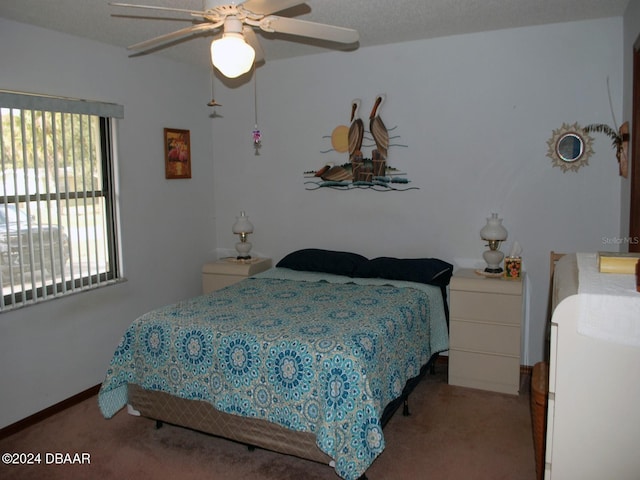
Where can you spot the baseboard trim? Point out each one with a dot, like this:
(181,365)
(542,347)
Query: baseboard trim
(48,412)
(526,369)
(525,378)
(442,360)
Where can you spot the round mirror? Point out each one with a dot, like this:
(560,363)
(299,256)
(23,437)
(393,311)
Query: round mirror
(569,147)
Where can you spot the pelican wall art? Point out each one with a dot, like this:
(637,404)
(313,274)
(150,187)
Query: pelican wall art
(358,171)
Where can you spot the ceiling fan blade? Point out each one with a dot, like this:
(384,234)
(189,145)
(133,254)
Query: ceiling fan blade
(303,28)
(177,35)
(266,7)
(252,39)
(151,7)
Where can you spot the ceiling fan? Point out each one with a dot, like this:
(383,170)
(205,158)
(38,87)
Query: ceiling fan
(237,49)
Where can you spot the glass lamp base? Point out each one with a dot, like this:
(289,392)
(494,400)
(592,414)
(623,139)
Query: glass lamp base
(493,259)
(493,270)
(243,248)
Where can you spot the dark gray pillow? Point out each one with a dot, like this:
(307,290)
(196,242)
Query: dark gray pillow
(326,261)
(431,271)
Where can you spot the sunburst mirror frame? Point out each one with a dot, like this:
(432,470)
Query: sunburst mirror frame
(570,147)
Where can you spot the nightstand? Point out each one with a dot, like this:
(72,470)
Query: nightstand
(226,271)
(485,331)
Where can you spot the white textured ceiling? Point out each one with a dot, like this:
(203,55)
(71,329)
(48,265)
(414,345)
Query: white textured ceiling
(378,21)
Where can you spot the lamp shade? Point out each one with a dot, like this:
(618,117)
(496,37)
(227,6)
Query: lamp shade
(242,225)
(232,55)
(493,230)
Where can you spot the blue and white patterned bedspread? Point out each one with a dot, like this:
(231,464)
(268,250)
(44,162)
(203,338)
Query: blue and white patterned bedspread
(312,355)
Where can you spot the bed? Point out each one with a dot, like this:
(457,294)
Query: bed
(309,358)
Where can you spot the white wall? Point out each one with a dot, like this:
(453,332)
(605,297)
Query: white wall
(475,112)
(54,350)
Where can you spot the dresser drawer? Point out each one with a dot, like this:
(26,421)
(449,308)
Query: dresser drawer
(485,337)
(488,372)
(486,307)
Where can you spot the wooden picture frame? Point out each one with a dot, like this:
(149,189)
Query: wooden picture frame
(177,153)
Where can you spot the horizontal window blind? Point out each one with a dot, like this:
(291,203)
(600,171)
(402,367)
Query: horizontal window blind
(48,103)
(58,224)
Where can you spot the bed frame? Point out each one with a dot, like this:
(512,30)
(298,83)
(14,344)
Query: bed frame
(253,432)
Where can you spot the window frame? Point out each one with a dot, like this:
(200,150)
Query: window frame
(106,115)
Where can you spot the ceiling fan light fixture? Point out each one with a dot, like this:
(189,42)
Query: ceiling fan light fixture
(232,55)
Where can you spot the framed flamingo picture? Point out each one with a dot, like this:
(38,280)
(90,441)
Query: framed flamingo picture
(177,153)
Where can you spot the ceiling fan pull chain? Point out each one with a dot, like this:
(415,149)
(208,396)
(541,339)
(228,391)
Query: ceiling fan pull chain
(213,102)
(257,135)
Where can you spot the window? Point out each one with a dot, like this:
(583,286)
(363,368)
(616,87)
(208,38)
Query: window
(58,224)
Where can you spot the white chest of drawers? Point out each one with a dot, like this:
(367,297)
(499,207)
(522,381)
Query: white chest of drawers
(593,418)
(485,332)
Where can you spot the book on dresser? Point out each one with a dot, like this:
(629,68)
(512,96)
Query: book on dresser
(616,262)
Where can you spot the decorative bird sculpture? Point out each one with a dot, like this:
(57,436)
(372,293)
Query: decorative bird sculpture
(336,173)
(323,170)
(378,128)
(356,130)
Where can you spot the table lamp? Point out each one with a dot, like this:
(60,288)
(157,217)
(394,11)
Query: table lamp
(243,227)
(494,233)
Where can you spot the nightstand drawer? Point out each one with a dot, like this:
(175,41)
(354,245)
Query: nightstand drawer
(486,307)
(485,337)
(225,272)
(488,372)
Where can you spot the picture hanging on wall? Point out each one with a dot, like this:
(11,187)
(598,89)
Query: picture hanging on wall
(177,153)
(360,171)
